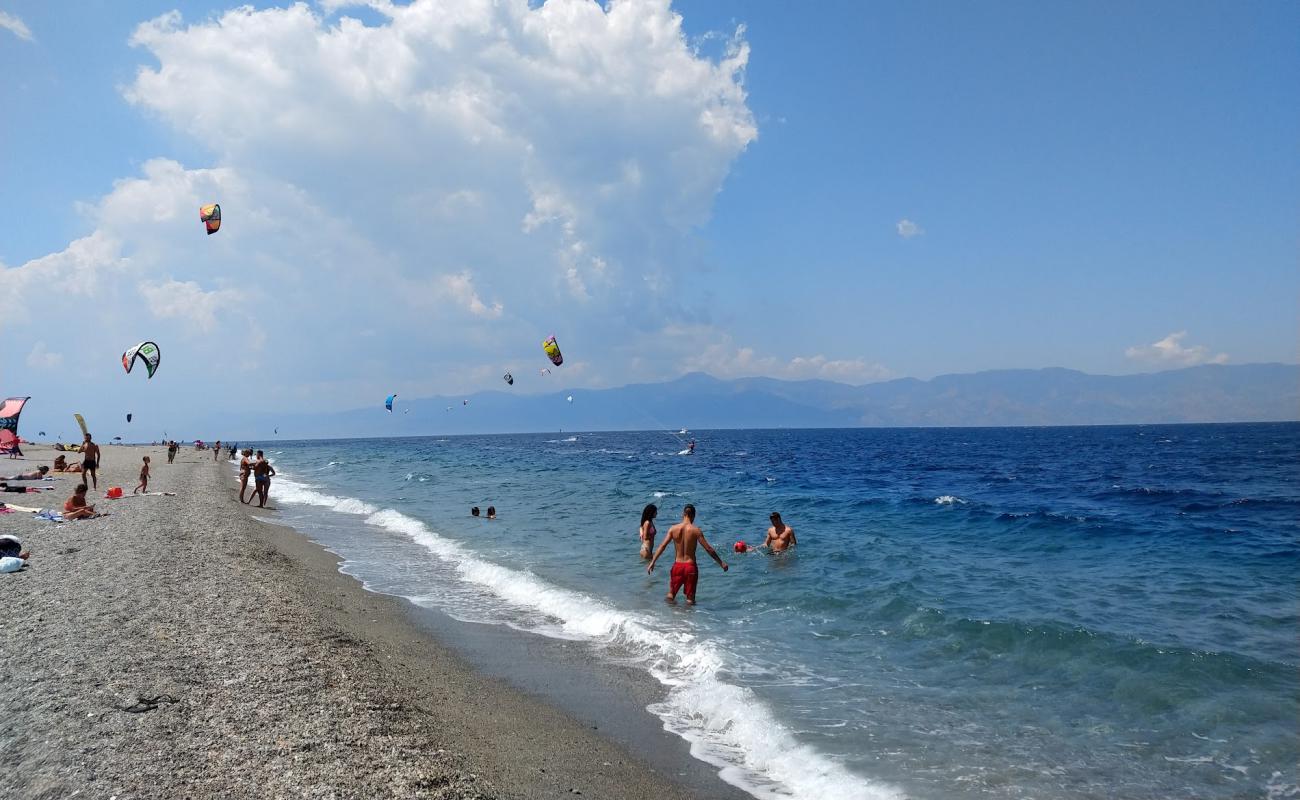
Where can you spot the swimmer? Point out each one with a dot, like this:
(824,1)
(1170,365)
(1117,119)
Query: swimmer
(686,573)
(780,537)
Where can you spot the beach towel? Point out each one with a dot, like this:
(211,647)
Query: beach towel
(49,515)
(11,564)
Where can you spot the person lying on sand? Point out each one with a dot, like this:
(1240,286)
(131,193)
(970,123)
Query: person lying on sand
(61,465)
(76,506)
(4,487)
(10,547)
(34,475)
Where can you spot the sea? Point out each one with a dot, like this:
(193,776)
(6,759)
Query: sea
(1070,612)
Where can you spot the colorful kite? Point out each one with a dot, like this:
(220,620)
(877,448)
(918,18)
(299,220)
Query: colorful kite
(147,352)
(552,349)
(9,411)
(210,216)
(508,378)
(388,403)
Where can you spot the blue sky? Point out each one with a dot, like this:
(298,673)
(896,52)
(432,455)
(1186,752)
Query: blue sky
(1109,187)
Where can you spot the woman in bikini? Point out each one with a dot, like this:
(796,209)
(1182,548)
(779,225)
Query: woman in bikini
(648,531)
(245,469)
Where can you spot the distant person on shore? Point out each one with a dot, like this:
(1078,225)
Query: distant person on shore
(473,512)
(685,573)
(780,536)
(144,478)
(492,512)
(90,458)
(245,469)
(76,507)
(216,451)
(648,531)
(262,472)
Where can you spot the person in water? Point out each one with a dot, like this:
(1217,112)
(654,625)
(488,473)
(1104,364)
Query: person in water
(76,507)
(262,472)
(245,470)
(473,512)
(648,531)
(780,536)
(690,448)
(492,512)
(90,459)
(686,573)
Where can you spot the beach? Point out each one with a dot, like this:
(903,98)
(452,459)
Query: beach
(185,646)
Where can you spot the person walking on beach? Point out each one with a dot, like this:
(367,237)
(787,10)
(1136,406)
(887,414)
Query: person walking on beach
(144,478)
(245,469)
(172,447)
(648,531)
(262,472)
(686,573)
(90,459)
(780,537)
(216,451)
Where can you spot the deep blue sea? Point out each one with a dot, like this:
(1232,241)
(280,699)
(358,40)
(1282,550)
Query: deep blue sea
(970,613)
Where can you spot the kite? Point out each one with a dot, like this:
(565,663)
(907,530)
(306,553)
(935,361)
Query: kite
(552,349)
(147,352)
(544,371)
(210,216)
(81,422)
(464,402)
(128,417)
(42,433)
(388,403)
(569,398)
(508,378)
(10,408)
(117,438)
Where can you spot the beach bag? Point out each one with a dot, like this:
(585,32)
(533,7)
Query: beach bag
(114,493)
(11,564)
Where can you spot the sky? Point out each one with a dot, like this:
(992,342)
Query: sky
(416,194)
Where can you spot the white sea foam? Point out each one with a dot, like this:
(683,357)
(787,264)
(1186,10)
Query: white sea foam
(727,725)
(948,500)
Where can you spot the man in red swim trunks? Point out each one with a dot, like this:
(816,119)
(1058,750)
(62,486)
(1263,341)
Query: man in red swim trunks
(684,536)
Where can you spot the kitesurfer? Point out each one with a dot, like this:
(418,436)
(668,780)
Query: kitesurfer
(685,573)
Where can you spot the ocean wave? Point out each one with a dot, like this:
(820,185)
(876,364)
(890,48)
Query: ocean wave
(948,500)
(725,724)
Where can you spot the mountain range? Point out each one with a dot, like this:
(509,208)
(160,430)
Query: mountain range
(1018,397)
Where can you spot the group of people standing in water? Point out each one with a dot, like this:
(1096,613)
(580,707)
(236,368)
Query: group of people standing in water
(685,536)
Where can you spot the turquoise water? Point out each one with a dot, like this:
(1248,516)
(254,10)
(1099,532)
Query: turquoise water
(1060,612)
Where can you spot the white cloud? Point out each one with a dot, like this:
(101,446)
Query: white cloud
(15,26)
(1170,350)
(460,289)
(189,301)
(908,229)
(41,358)
(706,349)
(462,178)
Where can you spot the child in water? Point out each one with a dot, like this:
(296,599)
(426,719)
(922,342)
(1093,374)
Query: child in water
(144,478)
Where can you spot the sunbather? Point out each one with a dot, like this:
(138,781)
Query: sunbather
(34,475)
(76,506)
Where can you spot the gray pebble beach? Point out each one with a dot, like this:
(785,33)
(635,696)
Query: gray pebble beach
(179,647)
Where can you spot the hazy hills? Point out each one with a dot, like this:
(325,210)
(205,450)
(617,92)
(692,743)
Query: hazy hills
(1211,393)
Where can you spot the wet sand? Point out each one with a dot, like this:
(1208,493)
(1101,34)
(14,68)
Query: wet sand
(180,647)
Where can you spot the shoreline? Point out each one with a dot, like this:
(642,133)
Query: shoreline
(177,648)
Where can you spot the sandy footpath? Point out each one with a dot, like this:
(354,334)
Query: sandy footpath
(180,648)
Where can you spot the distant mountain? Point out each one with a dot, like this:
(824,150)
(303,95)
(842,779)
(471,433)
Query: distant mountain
(1211,393)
